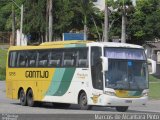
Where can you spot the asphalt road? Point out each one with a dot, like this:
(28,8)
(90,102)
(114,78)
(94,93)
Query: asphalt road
(13,107)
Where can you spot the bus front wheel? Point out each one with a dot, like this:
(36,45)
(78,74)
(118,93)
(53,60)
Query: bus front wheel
(122,108)
(22,98)
(30,98)
(83,102)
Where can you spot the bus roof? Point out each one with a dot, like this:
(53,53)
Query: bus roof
(113,44)
(65,42)
(75,43)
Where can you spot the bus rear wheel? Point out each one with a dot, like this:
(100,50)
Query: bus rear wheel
(30,98)
(83,102)
(22,98)
(122,108)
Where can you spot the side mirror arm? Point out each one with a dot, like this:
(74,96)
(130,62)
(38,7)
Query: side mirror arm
(153,66)
(104,64)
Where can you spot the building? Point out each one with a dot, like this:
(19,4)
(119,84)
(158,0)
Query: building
(152,50)
(99,4)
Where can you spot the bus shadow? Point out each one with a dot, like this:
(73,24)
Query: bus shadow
(94,108)
(72,107)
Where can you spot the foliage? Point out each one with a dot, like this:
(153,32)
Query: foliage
(34,12)
(143,20)
(62,24)
(5,12)
(118,9)
(3,57)
(145,23)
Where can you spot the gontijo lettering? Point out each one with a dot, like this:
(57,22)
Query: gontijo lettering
(36,74)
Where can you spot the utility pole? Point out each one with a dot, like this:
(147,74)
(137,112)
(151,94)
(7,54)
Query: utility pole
(85,27)
(123,34)
(106,22)
(47,19)
(21,26)
(12,42)
(50,20)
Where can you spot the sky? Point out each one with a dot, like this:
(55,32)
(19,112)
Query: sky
(134,2)
(101,4)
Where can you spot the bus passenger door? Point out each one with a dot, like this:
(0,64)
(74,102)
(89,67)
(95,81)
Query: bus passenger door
(96,67)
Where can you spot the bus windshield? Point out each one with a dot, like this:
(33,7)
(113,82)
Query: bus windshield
(127,69)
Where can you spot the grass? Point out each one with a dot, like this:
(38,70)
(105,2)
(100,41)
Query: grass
(153,79)
(3,56)
(154,87)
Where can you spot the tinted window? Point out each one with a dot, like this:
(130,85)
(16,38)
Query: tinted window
(31,58)
(22,59)
(70,58)
(12,59)
(77,57)
(55,58)
(96,67)
(95,55)
(43,58)
(83,57)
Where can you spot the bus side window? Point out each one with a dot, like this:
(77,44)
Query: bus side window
(83,57)
(55,59)
(43,58)
(22,59)
(12,59)
(32,58)
(70,58)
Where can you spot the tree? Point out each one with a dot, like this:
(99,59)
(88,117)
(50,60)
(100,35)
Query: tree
(86,9)
(145,22)
(34,19)
(7,17)
(63,18)
(5,13)
(125,7)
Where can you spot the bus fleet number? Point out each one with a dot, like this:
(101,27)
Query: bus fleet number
(12,73)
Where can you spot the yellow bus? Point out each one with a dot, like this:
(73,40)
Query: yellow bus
(78,72)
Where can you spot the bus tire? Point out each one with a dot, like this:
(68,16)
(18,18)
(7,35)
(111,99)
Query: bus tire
(83,102)
(22,98)
(122,108)
(30,98)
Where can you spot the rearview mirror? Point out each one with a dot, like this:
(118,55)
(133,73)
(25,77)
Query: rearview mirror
(104,64)
(151,66)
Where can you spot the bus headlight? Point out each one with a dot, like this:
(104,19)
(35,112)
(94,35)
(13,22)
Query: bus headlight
(144,94)
(109,93)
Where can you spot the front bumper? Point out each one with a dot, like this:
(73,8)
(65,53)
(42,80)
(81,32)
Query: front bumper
(107,100)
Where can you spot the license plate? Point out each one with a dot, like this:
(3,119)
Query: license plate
(128,101)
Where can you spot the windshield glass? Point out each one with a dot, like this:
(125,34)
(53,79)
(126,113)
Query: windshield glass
(126,74)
